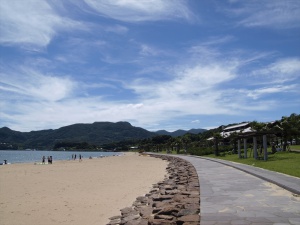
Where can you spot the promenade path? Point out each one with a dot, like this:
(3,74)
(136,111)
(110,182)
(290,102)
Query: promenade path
(230,196)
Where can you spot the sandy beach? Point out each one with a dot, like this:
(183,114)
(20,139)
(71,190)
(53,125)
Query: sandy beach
(73,192)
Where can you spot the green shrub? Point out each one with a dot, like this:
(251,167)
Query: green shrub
(200,151)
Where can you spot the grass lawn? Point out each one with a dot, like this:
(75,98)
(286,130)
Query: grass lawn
(296,147)
(283,162)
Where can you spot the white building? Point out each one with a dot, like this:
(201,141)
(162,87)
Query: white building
(239,128)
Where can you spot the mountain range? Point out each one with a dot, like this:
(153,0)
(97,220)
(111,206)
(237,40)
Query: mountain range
(178,133)
(97,133)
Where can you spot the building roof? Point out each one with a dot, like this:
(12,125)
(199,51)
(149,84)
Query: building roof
(236,126)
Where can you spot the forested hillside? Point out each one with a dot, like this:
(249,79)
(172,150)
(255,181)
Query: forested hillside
(98,133)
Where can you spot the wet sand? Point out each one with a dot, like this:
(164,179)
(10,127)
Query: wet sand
(73,192)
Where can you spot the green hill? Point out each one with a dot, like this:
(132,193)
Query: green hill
(97,133)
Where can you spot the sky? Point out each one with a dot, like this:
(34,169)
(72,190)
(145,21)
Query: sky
(158,64)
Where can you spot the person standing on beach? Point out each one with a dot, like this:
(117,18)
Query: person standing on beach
(49,159)
(75,157)
(80,158)
(43,160)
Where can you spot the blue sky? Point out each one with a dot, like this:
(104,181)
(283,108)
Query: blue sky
(157,64)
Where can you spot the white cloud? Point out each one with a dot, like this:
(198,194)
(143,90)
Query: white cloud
(30,22)
(191,91)
(217,40)
(204,52)
(281,71)
(255,94)
(146,50)
(28,83)
(263,13)
(286,66)
(208,50)
(35,115)
(142,10)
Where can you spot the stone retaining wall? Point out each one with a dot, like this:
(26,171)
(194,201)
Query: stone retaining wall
(174,201)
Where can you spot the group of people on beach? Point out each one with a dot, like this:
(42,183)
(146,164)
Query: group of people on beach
(49,158)
(74,157)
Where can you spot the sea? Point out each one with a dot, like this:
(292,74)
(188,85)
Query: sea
(35,156)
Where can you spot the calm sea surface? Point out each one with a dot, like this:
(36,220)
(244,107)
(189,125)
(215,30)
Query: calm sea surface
(16,156)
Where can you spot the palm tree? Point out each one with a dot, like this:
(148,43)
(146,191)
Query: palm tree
(290,127)
(186,141)
(217,137)
(233,140)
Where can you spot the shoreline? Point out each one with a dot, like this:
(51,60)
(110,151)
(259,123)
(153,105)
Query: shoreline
(57,161)
(21,156)
(72,192)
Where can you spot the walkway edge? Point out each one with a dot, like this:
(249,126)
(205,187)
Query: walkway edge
(287,182)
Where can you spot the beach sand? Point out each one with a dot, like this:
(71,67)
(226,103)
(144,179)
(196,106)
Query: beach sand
(73,192)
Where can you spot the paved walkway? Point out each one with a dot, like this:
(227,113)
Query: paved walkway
(230,196)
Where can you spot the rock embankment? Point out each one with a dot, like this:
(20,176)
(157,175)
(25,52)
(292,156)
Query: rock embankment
(174,201)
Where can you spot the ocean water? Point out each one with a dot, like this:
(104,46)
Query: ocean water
(17,156)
